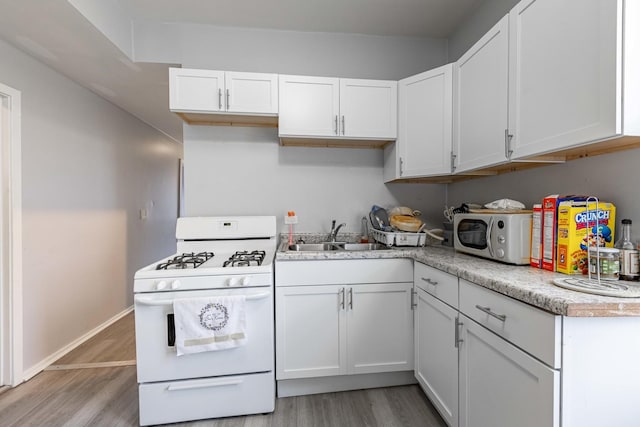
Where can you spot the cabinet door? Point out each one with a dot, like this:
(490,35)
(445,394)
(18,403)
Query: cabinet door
(500,385)
(379,328)
(480,86)
(562,74)
(308,106)
(425,123)
(251,93)
(310,332)
(195,90)
(436,354)
(368,108)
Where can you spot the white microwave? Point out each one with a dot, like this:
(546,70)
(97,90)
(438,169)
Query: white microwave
(504,237)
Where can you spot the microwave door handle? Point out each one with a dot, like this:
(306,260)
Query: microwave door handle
(488,236)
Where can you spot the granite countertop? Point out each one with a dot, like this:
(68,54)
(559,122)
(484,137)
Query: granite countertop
(524,283)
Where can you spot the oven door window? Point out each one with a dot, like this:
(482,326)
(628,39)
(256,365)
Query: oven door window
(472,233)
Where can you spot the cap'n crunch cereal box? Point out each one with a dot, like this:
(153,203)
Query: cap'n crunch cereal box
(578,229)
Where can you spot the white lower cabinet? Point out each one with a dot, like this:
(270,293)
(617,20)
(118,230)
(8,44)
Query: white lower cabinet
(502,386)
(311,332)
(436,354)
(379,328)
(484,359)
(361,326)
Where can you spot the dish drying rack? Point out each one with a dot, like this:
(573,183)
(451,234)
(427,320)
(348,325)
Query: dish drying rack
(397,238)
(594,284)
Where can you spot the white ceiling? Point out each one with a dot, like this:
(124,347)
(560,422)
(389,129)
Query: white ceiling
(55,33)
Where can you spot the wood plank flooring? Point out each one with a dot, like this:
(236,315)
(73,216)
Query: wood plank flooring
(78,391)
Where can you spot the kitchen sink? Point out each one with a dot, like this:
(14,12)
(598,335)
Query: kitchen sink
(337,246)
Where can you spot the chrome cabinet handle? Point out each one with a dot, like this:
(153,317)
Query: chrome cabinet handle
(228,99)
(414,294)
(341,293)
(429,281)
(453,162)
(401,166)
(343,125)
(487,310)
(507,144)
(220,99)
(457,338)
(351,298)
(335,128)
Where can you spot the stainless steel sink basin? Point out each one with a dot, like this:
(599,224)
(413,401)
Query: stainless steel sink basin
(337,246)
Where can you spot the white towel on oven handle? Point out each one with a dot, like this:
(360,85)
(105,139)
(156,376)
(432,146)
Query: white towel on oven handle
(209,323)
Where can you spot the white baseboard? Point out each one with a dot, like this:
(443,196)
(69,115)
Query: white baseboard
(37,368)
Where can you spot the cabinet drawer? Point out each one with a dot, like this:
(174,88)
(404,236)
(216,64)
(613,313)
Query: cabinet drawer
(533,330)
(343,271)
(441,285)
(194,399)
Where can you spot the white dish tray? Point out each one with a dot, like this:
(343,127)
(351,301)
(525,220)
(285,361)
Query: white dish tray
(397,238)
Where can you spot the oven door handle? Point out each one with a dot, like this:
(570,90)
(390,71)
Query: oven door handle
(144,301)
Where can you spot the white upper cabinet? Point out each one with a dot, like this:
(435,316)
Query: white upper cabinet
(330,108)
(309,106)
(251,93)
(215,97)
(195,90)
(550,77)
(368,108)
(481,97)
(563,73)
(423,147)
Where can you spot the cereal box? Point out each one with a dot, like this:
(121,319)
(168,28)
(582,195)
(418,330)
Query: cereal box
(550,228)
(580,228)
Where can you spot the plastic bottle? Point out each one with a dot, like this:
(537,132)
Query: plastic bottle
(629,264)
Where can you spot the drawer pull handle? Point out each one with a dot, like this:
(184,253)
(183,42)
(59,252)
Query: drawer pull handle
(487,310)
(174,387)
(429,281)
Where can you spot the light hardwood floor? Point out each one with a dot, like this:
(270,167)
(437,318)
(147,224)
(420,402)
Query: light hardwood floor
(76,391)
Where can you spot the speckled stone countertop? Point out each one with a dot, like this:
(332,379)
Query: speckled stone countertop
(524,283)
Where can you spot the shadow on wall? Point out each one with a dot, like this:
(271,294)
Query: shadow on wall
(612,177)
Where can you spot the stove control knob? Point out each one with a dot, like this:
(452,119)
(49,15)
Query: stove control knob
(175,284)
(246,281)
(161,285)
(233,281)
(500,253)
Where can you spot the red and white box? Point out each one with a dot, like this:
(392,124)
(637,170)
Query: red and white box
(549,244)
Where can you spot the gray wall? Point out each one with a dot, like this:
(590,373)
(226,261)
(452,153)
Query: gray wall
(87,169)
(264,178)
(287,52)
(489,12)
(244,171)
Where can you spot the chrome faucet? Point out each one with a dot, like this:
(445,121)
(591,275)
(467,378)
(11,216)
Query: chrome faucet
(334,230)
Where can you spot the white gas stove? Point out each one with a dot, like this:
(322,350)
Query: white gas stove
(216,257)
